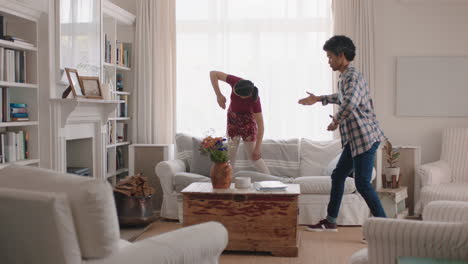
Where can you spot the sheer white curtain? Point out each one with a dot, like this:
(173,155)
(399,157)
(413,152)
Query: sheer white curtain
(155,71)
(277,44)
(355,19)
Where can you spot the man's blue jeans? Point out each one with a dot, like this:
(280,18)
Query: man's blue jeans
(362,165)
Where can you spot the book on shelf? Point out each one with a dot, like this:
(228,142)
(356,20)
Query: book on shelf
(121,132)
(269,185)
(14,146)
(12,65)
(122,108)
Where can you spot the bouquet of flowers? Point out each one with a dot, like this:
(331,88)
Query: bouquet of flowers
(216,148)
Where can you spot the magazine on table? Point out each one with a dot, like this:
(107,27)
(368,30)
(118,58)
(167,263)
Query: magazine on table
(270,185)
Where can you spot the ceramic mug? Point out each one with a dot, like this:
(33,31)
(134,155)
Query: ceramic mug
(242,182)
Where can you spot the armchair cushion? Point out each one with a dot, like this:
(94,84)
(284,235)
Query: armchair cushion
(389,239)
(201,164)
(435,173)
(184,149)
(197,244)
(184,179)
(91,201)
(41,230)
(446,211)
(448,192)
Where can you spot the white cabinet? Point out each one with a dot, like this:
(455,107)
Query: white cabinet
(118,29)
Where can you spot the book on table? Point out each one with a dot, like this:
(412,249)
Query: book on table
(269,185)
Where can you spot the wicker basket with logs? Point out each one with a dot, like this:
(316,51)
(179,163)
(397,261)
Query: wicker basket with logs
(133,201)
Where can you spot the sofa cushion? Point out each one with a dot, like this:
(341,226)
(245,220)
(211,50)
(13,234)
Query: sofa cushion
(201,164)
(91,202)
(280,156)
(258,176)
(322,184)
(184,179)
(316,155)
(37,227)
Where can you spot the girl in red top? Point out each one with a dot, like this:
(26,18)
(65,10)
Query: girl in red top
(244,117)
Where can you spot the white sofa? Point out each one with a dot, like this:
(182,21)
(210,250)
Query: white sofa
(50,217)
(302,161)
(447,178)
(442,235)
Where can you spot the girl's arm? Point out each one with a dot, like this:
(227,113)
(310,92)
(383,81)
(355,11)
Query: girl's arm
(261,129)
(215,76)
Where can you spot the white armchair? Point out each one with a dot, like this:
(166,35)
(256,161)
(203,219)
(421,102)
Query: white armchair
(443,234)
(51,217)
(447,178)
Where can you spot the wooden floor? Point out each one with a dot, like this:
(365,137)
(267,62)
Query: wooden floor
(314,247)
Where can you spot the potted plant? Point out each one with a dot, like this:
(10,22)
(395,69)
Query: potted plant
(221,170)
(393,154)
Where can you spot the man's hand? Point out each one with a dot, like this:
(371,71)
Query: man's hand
(333,125)
(221,101)
(256,154)
(310,100)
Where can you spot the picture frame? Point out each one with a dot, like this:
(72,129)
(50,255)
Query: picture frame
(74,79)
(91,87)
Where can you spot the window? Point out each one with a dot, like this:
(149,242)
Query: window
(277,44)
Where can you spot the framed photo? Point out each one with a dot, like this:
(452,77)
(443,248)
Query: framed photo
(91,87)
(75,83)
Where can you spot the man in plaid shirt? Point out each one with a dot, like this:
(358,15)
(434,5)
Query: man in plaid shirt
(359,129)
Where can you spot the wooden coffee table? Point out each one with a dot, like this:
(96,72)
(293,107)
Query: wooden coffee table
(255,220)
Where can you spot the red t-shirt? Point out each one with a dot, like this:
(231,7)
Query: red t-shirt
(241,105)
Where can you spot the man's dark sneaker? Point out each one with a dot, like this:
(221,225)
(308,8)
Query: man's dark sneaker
(323,225)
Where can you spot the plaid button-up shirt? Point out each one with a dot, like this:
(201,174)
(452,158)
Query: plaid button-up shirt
(358,124)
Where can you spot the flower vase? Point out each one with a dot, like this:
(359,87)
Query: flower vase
(221,175)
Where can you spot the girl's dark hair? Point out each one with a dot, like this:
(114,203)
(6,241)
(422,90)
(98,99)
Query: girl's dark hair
(341,44)
(246,88)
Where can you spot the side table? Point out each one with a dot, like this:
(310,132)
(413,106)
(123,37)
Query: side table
(393,201)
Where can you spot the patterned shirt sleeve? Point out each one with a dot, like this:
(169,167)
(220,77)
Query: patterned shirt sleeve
(352,92)
(330,99)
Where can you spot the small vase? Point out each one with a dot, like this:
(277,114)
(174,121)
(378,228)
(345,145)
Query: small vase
(221,175)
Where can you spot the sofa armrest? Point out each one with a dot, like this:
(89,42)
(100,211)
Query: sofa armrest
(166,170)
(446,211)
(389,239)
(197,244)
(434,173)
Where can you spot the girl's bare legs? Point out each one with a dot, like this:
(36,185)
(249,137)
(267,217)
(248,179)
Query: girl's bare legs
(258,164)
(233,145)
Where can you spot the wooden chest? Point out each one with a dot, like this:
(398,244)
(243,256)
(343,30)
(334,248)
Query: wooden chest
(255,220)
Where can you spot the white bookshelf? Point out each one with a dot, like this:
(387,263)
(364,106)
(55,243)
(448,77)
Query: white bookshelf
(22,22)
(118,26)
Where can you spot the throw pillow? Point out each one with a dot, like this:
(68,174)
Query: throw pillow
(281,157)
(331,166)
(316,155)
(201,164)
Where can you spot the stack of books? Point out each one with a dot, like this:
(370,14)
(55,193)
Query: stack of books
(19,112)
(270,186)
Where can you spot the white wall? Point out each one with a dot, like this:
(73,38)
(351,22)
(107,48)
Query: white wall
(416,28)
